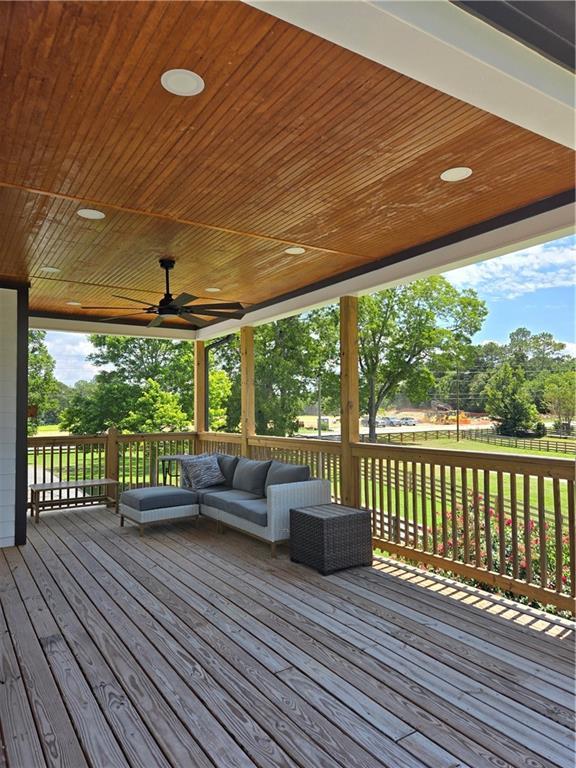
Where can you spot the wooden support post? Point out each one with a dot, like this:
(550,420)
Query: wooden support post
(112,463)
(248,422)
(200,393)
(349,399)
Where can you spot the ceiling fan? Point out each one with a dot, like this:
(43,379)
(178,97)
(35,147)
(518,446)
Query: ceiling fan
(169,307)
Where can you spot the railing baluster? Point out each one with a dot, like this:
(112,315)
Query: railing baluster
(488,511)
(465,513)
(514,519)
(543,554)
(424,504)
(433,508)
(527,529)
(558,525)
(501,523)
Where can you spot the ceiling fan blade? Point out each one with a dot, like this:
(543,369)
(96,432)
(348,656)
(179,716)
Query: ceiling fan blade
(83,307)
(184,298)
(196,322)
(119,317)
(223,305)
(128,298)
(226,315)
(157,321)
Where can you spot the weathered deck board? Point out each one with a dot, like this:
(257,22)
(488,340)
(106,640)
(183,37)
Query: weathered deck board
(195,649)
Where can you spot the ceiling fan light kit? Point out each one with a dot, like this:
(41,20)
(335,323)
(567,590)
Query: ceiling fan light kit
(169,307)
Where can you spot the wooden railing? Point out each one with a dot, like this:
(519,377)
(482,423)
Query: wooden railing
(503,520)
(322,456)
(506,521)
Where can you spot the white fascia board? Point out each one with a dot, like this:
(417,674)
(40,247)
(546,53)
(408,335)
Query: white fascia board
(93,326)
(439,44)
(507,239)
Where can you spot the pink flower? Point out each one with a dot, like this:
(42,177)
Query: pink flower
(509,521)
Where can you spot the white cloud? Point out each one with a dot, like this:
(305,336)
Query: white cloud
(70,351)
(551,265)
(570,348)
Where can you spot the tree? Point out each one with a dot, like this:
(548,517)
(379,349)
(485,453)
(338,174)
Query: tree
(155,411)
(219,389)
(42,384)
(560,397)
(290,355)
(59,401)
(135,360)
(508,402)
(96,405)
(407,333)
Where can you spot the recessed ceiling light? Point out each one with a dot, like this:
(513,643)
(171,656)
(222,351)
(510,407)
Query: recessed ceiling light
(74,303)
(90,213)
(50,270)
(295,251)
(456,174)
(182,82)
(213,290)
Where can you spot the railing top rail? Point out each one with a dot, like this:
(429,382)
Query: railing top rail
(155,436)
(298,443)
(48,440)
(541,466)
(220,437)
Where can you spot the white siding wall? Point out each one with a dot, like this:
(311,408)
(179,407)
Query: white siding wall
(8,338)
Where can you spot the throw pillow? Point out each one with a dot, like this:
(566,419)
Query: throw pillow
(201,472)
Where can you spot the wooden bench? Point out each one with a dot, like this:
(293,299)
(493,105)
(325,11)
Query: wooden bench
(40,502)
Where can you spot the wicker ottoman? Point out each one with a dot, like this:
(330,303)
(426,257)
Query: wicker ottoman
(330,537)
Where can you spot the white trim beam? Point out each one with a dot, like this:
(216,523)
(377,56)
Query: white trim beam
(437,43)
(115,329)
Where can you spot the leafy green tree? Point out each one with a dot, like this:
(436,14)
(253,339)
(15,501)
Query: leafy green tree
(60,400)
(219,390)
(409,333)
(560,397)
(290,356)
(96,405)
(135,360)
(155,411)
(42,384)
(508,401)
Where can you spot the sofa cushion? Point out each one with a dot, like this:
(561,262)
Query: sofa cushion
(255,511)
(281,473)
(201,472)
(239,503)
(158,497)
(202,492)
(227,466)
(225,499)
(251,476)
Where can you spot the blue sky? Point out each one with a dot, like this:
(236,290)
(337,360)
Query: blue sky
(533,288)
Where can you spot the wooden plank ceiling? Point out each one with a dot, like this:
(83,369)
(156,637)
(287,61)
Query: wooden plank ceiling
(294,141)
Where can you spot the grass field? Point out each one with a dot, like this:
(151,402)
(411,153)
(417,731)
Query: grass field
(479,445)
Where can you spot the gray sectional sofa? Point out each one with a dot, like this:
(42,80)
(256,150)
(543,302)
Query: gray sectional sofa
(255,497)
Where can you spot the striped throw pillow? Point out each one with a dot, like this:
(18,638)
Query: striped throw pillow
(201,472)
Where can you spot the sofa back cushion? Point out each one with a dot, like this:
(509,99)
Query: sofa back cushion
(227,466)
(280,473)
(250,475)
(201,472)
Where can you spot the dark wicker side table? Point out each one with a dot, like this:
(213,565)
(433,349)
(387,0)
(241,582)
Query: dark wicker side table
(330,537)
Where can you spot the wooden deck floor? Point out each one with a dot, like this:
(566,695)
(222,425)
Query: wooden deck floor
(188,648)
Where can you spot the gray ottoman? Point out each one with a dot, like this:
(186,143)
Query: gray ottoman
(161,504)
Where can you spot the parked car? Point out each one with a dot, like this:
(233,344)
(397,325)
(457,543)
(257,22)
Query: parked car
(408,421)
(393,421)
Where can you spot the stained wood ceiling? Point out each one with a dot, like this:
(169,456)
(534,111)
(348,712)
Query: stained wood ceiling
(294,141)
